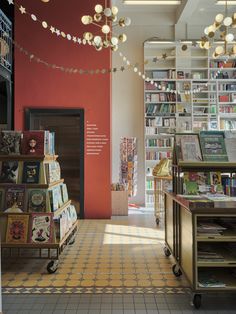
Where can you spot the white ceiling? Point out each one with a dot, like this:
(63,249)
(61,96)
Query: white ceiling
(197,12)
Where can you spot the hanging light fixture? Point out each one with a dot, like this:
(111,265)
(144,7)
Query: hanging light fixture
(106,19)
(225,25)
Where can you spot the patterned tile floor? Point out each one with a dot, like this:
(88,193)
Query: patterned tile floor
(115,267)
(124,254)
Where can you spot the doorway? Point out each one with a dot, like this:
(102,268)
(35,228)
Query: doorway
(68,125)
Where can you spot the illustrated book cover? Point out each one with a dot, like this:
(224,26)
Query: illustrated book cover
(9,171)
(213,146)
(195,183)
(10,142)
(17,229)
(37,200)
(33,143)
(2,198)
(64,192)
(41,228)
(15,199)
(31,172)
(190,147)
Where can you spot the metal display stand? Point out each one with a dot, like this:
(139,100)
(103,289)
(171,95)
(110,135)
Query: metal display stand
(159,188)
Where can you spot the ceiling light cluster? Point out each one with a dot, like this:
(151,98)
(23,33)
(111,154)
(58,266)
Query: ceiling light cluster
(225,25)
(106,19)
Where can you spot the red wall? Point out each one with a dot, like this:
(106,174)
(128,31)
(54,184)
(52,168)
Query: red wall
(39,86)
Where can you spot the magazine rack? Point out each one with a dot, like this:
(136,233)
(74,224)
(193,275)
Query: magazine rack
(53,248)
(215,271)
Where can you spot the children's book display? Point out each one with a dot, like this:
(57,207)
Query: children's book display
(209,188)
(35,210)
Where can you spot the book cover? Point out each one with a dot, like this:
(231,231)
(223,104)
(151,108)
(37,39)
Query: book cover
(216,182)
(14,199)
(17,229)
(190,147)
(10,142)
(37,200)
(195,183)
(9,171)
(33,143)
(213,146)
(41,228)
(55,198)
(31,172)
(64,192)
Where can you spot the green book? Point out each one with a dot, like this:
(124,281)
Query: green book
(213,146)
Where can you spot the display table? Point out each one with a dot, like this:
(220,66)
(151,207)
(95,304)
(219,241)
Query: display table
(160,183)
(202,240)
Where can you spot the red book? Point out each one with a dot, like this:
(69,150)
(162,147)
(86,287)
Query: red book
(33,143)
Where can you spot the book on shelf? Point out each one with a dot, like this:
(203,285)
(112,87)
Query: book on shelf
(190,147)
(195,183)
(210,228)
(216,182)
(10,142)
(9,171)
(64,192)
(14,199)
(41,228)
(33,142)
(31,172)
(195,201)
(207,280)
(213,146)
(17,229)
(53,171)
(37,200)
(2,198)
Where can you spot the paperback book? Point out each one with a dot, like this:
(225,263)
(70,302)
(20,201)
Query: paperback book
(37,200)
(41,228)
(213,146)
(10,142)
(31,172)
(33,143)
(64,193)
(9,171)
(190,147)
(15,199)
(17,229)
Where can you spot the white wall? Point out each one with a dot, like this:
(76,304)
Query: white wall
(128,96)
(127,86)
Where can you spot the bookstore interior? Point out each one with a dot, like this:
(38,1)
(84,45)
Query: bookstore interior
(117,156)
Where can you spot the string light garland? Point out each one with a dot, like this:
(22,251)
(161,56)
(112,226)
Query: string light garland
(224,24)
(54,30)
(105,19)
(78,40)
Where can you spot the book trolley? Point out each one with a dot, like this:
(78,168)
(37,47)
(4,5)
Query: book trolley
(207,259)
(46,232)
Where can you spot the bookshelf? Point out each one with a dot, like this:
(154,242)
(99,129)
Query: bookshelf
(193,92)
(35,212)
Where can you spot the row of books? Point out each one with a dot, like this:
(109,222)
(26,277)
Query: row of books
(27,142)
(29,172)
(160,109)
(222,64)
(227,124)
(227,87)
(150,185)
(227,109)
(160,142)
(37,228)
(150,198)
(118,187)
(19,199)
(158,155)
(228,98)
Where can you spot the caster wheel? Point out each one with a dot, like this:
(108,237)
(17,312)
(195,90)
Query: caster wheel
(197,301)
(157,221)
(176,271)
(72,241)
(167,251)
(52,267)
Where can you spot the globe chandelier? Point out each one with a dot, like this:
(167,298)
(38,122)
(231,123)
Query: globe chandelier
(224,24)
(106,19)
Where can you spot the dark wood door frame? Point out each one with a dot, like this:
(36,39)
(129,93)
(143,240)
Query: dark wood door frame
(29,112)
